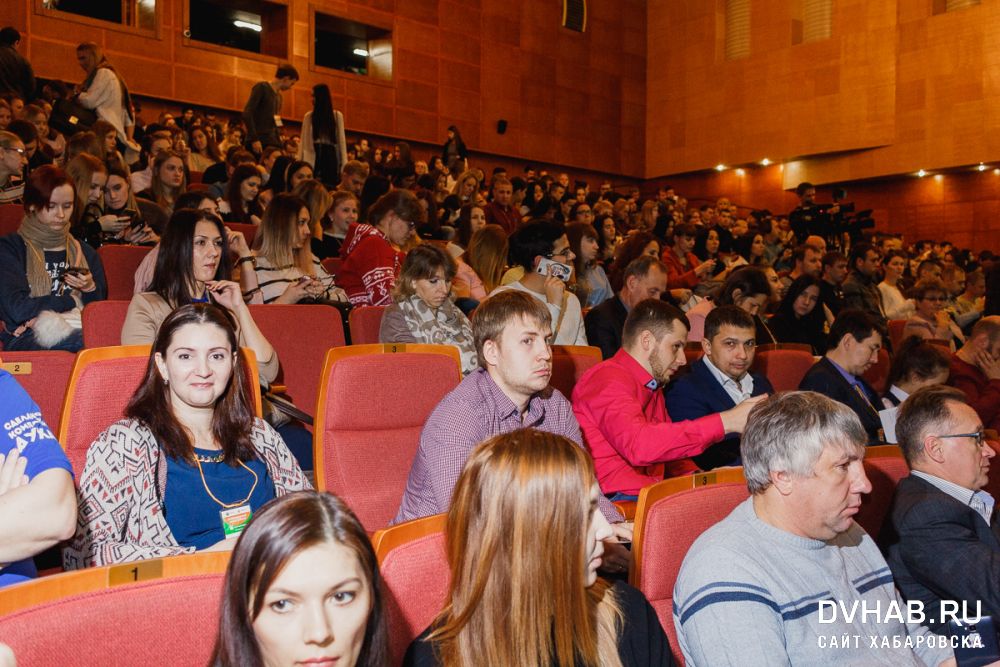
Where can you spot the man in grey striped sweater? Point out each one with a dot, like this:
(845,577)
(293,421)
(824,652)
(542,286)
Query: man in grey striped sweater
(788,578)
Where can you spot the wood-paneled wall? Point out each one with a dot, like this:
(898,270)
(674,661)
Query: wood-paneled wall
(569,98)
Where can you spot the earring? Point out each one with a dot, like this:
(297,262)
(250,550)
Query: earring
(166,382)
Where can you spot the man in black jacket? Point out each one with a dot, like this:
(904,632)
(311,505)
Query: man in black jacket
(644,278)
(262,113)
(16,75)
(941,537)
(852,348)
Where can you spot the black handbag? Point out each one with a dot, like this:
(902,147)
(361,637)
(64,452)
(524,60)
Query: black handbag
(70,117)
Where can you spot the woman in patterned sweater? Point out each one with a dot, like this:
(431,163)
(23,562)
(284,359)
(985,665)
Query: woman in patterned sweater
(190,463)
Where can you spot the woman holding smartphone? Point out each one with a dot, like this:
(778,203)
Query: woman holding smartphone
(46,273)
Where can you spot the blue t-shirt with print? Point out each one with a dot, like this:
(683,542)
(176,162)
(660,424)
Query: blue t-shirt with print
(23,427)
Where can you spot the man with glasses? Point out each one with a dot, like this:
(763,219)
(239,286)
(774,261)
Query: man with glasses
(942,537)
(542,250)
(13,159)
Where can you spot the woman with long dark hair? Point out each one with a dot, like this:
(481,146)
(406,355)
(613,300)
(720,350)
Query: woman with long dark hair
(524,533)
(190,463)
(800,317)
(454,150)
(241,203)
(204,150)
(592,285)
(323,144)
(304,556)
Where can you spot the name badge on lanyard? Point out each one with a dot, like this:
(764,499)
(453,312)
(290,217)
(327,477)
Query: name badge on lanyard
(277,120)
(235,520)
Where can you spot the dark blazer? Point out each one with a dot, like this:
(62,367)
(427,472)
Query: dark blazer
(824,378)
(940,549)
(697,393)
(604,324)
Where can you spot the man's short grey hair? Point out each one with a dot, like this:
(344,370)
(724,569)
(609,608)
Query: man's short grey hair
(926,410)
(788,432)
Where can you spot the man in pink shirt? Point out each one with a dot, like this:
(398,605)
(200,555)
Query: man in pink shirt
(622,412)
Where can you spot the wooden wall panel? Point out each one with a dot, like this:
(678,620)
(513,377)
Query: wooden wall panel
(470,63)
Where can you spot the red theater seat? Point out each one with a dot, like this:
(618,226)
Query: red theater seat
(785,368)
(301,356)
(670,516)
(885,466)
(10,218)
(44,374)
(373,402)
(415,575)
(103,322)
(569,363)
(157,612)
(364,323)
(120,264)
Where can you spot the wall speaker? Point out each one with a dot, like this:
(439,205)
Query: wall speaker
(575,15)
(501,126)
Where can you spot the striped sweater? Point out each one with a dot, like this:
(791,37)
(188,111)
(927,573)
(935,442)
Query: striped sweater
(748,594)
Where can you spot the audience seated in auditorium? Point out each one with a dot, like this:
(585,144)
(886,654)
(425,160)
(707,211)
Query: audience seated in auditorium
(915,365)
(509,391)
(861,286)
(747,590)
(852,347)
(122,219)
(371,253)
(969,305)
(931,321)
(644,278)
(895,304)
(303,585)
(193,415)
(539,247)
(285,269)
(46,275)
(720,380)
(520,532)
(747,287)
(975,369)
(941,536)
(334,223)
(37,499)
(219,178)
(800,317)
(423,311)
(622,412)
(481,267)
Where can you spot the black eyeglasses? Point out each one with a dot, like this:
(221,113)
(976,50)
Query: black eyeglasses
(979,436)
(19,151)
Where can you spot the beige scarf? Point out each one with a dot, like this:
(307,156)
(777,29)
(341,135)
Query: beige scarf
(37,238)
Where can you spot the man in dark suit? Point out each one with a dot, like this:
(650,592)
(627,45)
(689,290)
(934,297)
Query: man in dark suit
(941,537)
(852,348)
(720,380)
(644,278)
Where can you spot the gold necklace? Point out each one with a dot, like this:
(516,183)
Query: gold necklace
(210,459)
(212,495)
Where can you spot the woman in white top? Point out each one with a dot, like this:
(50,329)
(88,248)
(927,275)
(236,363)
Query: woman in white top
(534,247)
(105,92)
(323,144)
(896,306)
(285,268)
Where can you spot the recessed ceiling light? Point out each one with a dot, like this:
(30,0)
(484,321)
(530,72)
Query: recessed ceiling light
(921,173)
(765,162)
(720,167)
